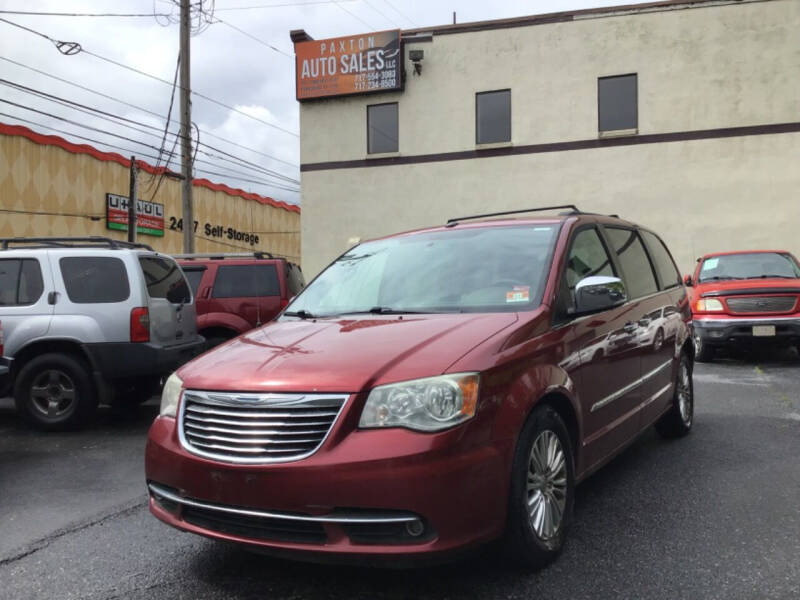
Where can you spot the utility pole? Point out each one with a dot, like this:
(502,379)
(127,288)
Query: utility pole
(186,133)
(132,200)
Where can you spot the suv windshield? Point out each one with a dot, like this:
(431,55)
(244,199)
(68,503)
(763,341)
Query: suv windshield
(472,269)
(754,265)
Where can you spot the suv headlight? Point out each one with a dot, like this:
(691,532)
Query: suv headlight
(709,305)
(429,404)
(170,396)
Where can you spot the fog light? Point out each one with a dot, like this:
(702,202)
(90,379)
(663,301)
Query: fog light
(415,528)
(716,334)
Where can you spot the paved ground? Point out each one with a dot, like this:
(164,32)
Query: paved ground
(715,515)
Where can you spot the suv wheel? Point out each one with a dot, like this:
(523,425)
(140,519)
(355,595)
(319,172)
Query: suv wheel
(54,391)
(678,421)
(702,352)
(542,490)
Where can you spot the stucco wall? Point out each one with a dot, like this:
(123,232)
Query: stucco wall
(703,68)
(48,191)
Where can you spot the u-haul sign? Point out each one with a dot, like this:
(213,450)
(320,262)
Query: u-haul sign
(149,215)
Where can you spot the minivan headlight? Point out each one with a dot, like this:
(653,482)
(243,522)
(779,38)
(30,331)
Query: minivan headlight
(430,404)
(709,305)
(170,396)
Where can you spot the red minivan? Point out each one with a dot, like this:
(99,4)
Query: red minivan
(430,392)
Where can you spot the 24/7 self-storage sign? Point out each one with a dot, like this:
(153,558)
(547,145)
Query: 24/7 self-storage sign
(348,65)
(149,215)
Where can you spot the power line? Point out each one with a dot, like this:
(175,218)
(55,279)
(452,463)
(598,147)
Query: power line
(355,16)
(145,110)
(106,116)
(381,13)
(406,17)
(64,14)
(72,48)
(254,38)
(291,4)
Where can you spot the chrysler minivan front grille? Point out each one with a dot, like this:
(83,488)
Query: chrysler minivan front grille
(256,428)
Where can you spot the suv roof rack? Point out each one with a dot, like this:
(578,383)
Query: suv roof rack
(573,210)
(223,255)
(94,241)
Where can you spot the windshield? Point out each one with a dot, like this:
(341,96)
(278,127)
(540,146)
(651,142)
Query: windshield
(478,269)
(754,265)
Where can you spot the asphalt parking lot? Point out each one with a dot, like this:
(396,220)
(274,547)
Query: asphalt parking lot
(714,515)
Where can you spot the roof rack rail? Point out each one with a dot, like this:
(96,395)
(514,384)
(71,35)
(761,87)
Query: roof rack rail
(94,241)
(258,254)
(453,222)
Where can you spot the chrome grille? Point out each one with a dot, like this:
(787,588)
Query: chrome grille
(762,304)
(256,428)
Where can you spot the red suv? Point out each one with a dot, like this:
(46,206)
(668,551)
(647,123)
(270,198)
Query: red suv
(430,392)
(236,292)
(745,298)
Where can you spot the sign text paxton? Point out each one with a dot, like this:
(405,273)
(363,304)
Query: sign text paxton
(149,215)
(348,65)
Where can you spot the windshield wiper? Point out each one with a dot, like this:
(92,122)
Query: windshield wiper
(303,314)
(718,278)
(770,276)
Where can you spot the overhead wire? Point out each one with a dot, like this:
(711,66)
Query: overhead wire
(72,48)
(144,110)
(355,16)
(406,17)
(27,13)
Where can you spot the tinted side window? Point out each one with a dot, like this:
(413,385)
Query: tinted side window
(294,279)
(639,277)
(246,281)
(9,279)
(587,256)
(665,267)
(194,276)
(95,279)
(164,279)
(31,285)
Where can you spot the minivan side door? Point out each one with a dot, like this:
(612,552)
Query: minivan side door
(608,365)
(648,303)
(25,282)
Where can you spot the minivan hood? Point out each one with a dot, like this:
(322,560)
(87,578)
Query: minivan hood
(341,354)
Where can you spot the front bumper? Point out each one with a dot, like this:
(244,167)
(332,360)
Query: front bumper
(719,331)
(372,496)
(116,360)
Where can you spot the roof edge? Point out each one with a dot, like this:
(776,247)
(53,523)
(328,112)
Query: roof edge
(54,140)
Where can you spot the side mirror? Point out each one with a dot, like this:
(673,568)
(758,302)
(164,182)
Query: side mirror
(687,280)
(599,292)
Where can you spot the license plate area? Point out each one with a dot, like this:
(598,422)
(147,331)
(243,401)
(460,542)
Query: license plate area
(763,330)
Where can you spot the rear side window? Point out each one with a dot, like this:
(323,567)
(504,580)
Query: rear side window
(194,276)
(164,279)
(246,281)
(20,282)
(639,276)
(665,267)
(95,279)
(294,279)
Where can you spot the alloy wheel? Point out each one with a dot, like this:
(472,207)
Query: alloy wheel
(684,391)
(53,393)
(547,485)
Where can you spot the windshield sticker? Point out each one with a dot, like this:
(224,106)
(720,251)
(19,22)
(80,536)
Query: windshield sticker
(520,293)
(709,264)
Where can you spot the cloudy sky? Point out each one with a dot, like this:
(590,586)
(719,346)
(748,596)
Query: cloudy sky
(242,59)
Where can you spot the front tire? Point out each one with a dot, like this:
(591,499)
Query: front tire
(55,391)
(542,491)
(702,351)
(678,421)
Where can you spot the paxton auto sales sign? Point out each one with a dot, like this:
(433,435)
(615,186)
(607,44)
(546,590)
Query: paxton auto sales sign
(149,215)
(348,65)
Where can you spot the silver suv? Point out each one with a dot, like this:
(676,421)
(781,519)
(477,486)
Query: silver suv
(89,320)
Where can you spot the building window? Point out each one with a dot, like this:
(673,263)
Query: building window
(617,103)
(382,134)
(493,117)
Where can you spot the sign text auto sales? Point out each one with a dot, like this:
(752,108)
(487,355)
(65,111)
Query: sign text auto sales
(348,65)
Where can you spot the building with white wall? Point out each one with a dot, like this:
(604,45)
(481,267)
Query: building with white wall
(681,116)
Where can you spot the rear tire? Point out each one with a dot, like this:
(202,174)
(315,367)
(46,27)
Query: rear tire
(542,491)
(55,392)
(702,351)
(678,421)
